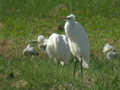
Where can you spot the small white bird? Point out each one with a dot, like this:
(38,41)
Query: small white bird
(29,50)
(78,41)
(108,48)
(111,55)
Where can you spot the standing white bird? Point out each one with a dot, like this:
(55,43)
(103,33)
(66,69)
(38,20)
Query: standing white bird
(56,46)
(78,41)
(29,50)
(108,47)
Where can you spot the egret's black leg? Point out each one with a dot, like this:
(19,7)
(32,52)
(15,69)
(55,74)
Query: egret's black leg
(81,66)
(75,65)
(58,64)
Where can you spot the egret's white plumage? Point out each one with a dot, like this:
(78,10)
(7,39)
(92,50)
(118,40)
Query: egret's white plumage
(56,46)
(29,50)
(111,55)
(78,40)
(108,47)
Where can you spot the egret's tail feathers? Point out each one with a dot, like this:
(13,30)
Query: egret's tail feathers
(62,63)
(85,65)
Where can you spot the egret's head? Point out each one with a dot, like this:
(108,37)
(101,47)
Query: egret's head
(43,45)
(40,38)
(70,17)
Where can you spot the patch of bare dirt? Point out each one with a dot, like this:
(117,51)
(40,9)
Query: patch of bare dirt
(10,49)
(3,76)
(7,48)
(20,84)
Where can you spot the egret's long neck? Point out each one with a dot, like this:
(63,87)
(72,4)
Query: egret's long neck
(69,26)
(70,21)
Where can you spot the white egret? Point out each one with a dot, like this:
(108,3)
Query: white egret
(78,41)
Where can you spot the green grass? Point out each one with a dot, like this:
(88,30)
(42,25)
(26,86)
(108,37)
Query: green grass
(24,20)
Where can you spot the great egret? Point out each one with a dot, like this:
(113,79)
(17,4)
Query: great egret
(78,41)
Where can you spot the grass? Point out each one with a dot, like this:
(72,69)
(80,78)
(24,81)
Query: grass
(24,20)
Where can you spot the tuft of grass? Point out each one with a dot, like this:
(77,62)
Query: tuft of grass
(45,74)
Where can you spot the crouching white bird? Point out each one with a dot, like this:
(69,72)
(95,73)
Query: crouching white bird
(112,54)
(108,48)
(29,50)
(78,42)
(110,51)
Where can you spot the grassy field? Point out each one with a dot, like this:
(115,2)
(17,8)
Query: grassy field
(23,20)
